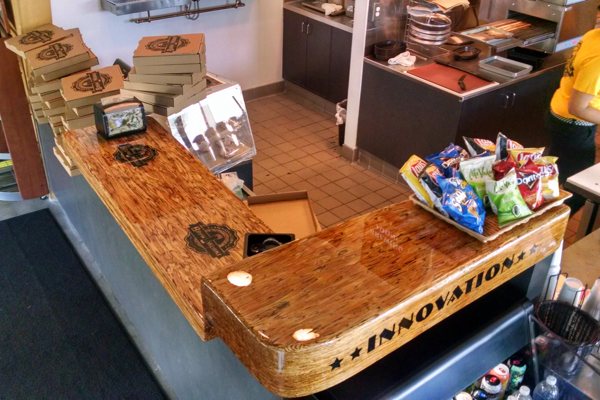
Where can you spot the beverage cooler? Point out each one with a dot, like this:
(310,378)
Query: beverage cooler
(451,356)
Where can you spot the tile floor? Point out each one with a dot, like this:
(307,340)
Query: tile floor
(297,150)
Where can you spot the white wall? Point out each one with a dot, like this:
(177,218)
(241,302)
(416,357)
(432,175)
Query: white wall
(243,44)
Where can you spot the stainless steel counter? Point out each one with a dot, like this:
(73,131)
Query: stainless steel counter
(340,22)
(444,54)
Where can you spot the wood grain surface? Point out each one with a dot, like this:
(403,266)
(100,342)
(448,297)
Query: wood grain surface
(365,287)
(155,204)
(18,128)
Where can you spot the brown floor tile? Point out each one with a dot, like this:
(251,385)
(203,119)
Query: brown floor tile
(359,205)
(306,173)
(331,188)
(344,212)
(317,194)
(319,181)
(329,203)
(294,166)
(291,179)
(344,196)
(282,158)
(374,199)
(328,219)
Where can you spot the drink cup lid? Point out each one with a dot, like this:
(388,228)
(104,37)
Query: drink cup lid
(551,379)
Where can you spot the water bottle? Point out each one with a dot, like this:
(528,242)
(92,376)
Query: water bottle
(524,393)
(546,390)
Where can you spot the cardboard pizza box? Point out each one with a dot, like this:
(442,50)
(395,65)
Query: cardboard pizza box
(36,38)
(89,87)
(57,55)
(164,79)
(170,49)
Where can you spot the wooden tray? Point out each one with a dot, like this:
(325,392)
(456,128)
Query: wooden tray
(491,228)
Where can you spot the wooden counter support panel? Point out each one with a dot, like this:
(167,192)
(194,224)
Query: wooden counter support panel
(181,219)
(362,289)
(19,134)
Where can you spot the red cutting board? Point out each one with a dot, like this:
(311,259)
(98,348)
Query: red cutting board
(448,77)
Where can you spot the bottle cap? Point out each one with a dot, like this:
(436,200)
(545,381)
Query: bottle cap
(491,384)
(551,379)
(524,390)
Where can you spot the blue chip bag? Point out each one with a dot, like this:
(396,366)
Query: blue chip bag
(462,204)
(448,159)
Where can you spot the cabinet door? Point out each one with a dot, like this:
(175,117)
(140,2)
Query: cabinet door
(526,118)
(339,67)
(483,116)
(400,116)
(317,57)
(294,47)
(517,110)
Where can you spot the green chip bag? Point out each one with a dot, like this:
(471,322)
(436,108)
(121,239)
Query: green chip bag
(506,200)
(477,171)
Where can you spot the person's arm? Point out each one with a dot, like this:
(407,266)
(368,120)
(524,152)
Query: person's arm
(579,106)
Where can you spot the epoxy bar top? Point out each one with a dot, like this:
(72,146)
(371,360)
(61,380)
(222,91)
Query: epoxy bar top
(156,204)
(317,310)
(359,290)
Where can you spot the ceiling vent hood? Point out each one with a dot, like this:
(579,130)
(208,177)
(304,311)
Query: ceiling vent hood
(122,7)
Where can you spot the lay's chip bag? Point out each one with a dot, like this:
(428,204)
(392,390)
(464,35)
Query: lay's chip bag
(410,171)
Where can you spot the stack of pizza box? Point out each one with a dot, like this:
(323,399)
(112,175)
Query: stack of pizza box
(50,53)
(169,72)
(80,91)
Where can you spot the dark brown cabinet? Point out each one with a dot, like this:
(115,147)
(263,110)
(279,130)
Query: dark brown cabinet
(316,56)
(400,116)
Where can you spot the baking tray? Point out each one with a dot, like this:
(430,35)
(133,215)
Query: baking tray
(491,228)
(504,66)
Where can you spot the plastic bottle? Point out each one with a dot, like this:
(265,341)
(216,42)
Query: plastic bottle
(524,393)
(547,389)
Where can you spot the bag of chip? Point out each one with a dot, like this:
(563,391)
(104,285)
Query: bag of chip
(476,171)
(503,144)
(529,180)
(524,155)
(549,173)
(429,180)
(410,171)
(503,167)
(506,200)
(476,146)
(448,159)
(462,204)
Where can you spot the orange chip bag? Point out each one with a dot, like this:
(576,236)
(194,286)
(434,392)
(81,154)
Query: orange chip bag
(522,156)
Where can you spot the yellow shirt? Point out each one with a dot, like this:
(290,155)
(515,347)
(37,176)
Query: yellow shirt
(582,73)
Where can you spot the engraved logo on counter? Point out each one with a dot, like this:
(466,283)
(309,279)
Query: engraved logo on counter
(137,155)
(34,37)
(426,310)
(92,82)
(169,44)
(212,239)
(55,51)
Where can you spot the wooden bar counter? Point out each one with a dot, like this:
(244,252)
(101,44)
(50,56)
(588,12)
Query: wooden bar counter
(317,310)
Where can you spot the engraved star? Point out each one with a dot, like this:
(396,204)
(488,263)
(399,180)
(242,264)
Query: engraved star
(336,363)
(533,249)
(356,353)
(508,262)
(521,256)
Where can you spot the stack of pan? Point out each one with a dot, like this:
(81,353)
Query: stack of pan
(427,27)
